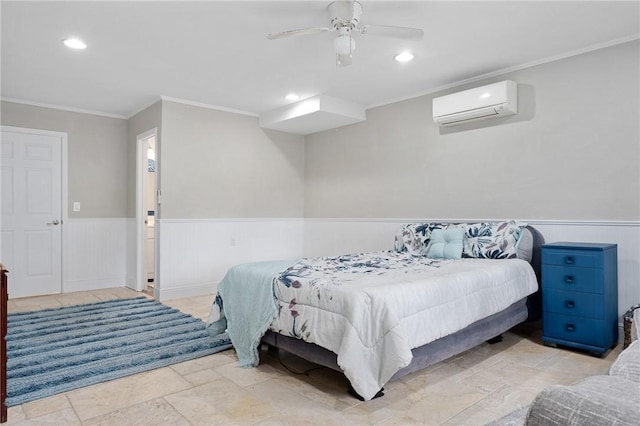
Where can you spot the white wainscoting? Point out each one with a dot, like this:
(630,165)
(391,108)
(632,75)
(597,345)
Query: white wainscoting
(194,255)
(94,254)
(131,271)
(334,236)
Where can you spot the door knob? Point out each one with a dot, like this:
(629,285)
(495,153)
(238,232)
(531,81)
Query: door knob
(55,222)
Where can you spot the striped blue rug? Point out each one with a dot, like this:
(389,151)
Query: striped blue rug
(56,350)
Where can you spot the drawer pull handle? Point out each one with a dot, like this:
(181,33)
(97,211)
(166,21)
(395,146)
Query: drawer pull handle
(571,327)
(569,279)
(570,304)
(569,260)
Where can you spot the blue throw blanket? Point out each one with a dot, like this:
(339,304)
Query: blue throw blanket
(246,322)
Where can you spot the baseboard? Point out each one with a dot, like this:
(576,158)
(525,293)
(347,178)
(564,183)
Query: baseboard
(92,284)
(188,291)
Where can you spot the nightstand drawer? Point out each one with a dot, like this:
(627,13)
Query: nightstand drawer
(573,329)
(586,305)
(581,258)
(567,278)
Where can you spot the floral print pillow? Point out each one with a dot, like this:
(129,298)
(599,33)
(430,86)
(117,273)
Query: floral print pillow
(492,240)
(414,237)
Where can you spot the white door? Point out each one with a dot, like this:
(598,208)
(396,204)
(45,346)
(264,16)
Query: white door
(31,229)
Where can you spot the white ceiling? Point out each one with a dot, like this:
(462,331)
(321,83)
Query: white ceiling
(217,53)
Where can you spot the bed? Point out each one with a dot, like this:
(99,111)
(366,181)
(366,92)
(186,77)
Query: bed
(377,316)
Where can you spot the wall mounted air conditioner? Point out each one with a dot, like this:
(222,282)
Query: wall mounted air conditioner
(492,100)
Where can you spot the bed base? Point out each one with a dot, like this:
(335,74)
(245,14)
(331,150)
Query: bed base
(423,356)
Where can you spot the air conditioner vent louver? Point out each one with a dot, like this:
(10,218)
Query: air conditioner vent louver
(493,100)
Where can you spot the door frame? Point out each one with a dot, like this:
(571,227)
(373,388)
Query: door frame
(141,229)
(64,196)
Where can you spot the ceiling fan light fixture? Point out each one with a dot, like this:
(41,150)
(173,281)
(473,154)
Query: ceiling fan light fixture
(404,57)
(74,43)
(344,45)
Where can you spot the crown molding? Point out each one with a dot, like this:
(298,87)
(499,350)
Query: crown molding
(208,106)
(63,108)
(502,71)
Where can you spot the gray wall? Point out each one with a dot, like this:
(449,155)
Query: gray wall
(97,156)
(145,120)
(216,164)
(571,154)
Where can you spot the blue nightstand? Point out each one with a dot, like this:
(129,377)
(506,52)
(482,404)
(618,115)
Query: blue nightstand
(580,295)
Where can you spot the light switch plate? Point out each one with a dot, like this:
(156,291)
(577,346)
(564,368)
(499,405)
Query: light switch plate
(76,206)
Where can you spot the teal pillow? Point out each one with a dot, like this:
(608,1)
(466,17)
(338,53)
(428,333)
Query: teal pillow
(446,243)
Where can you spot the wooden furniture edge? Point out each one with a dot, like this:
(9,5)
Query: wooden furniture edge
(3,344)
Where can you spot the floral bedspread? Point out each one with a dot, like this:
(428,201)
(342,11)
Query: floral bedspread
(371,309)
(321,278)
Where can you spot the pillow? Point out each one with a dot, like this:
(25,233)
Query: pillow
(492,240)
(524,246)
(398,244)
(445,243)
(414,237)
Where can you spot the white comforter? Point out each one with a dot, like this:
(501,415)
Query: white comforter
(371,309)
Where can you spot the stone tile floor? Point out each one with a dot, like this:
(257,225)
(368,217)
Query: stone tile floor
(473,388)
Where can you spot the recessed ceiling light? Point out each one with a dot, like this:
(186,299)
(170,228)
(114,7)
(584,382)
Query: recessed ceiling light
(74,43)
(292,97)
(404,57)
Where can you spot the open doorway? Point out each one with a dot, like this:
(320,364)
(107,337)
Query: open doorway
(146,213)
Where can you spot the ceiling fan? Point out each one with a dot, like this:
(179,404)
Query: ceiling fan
(345,19)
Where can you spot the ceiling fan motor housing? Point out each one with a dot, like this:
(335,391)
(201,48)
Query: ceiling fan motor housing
(345,14)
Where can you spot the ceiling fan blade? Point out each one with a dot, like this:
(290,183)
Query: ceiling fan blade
(303,31)
(391,31)
(343,60)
